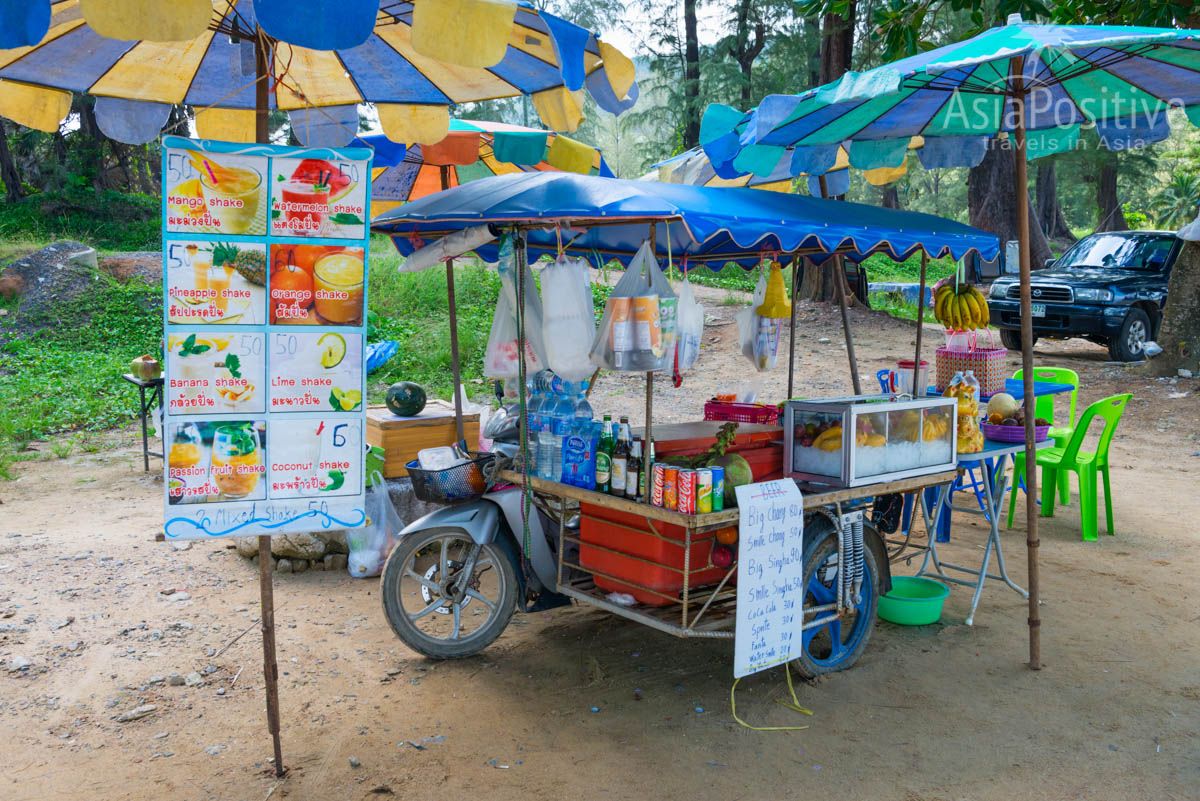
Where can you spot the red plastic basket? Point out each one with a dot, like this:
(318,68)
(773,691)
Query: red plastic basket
(728,411)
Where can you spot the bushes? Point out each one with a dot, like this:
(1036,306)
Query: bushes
(105,220)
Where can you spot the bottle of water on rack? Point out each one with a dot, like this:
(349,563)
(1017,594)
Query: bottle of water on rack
(583,410)
(545,436)
(564,417)
(533,402)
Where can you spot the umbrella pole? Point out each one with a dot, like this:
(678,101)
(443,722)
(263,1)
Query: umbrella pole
(919,391)
(454,367)
(792,335)
(266,589)
(1032,543)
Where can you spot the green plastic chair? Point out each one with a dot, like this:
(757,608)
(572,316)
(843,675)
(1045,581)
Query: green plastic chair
(1044,408)
(1085,464)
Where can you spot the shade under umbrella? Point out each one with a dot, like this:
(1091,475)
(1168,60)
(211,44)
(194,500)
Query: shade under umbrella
(473,149)
(542,56)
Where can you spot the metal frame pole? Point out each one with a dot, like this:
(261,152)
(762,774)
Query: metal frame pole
(841,297)
(919,391)
(266,589)
(1032,542)
(647,429)
(792,334)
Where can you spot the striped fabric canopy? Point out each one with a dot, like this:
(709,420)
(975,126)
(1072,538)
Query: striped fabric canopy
(474,149)
(543,56)
(1121,79)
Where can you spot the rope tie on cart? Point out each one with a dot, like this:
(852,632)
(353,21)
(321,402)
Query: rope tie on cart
(794,705)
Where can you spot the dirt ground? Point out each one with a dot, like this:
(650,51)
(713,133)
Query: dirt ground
(88,634)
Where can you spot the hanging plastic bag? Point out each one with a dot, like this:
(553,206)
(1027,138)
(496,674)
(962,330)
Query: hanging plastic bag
(690,331)
(370,545)
(759,335)
(569,318)
(637,332)
(500,359)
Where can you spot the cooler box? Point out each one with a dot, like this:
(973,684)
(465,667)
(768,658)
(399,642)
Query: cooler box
(621,545)
(401,438)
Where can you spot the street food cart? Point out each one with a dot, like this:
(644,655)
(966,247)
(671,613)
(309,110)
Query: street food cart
(643,561)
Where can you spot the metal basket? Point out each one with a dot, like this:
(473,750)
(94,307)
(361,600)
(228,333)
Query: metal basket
(457,484)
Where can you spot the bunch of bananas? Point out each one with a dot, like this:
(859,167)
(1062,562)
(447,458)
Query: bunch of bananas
(829,439)
(960,308)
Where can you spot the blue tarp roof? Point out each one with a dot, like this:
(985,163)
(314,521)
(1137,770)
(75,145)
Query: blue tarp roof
(694,223)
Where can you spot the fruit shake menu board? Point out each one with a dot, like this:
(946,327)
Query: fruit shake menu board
(264,273)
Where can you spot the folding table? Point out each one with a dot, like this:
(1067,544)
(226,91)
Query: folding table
(993,464)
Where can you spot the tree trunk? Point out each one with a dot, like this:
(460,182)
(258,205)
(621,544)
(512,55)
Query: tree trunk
(1049,212)
(889,197)
(837,44)
(691,76)
(816,282)
(1108,204)
(748,45)
(9,174)
(992,202)
(812,32)
(1180,333)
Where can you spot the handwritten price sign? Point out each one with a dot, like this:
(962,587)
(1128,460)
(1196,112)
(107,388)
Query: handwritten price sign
(770,576)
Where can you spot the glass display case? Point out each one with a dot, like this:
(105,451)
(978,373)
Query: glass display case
(867,439)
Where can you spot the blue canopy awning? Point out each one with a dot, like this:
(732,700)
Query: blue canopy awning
(608,218)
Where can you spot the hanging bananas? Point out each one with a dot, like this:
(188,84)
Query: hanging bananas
(960,308)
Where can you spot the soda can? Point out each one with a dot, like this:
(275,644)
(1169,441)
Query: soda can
(621,332)
(687,491)
(647,330)
(670,487)
(704,488)
(658,487)
(718,488)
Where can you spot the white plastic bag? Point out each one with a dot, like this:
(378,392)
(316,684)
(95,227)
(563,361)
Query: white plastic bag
(637,332)
(690,331)
(500,359)
(370,545)
(759,335)
(568,319)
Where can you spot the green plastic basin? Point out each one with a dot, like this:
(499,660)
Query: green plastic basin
(913,601)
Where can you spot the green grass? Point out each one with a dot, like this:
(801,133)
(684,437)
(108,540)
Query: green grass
(893,303)
(108,221)
(881,268)
(67,377)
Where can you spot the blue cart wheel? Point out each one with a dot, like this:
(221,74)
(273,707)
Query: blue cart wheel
(838,644)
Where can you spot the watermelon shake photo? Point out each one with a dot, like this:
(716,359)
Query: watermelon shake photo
(318,198)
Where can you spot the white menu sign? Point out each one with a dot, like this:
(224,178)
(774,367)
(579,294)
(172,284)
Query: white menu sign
(770,587)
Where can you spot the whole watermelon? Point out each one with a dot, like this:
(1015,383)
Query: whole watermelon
(405,399)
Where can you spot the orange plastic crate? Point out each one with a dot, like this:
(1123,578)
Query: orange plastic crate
(642,559)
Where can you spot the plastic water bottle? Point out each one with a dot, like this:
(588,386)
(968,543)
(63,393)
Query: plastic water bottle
(564,417)
(545,436)
(583,409)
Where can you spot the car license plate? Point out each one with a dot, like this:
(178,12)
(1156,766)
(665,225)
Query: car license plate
(1038,309)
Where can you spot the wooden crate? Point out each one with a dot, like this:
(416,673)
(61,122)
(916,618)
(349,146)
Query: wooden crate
(402,437)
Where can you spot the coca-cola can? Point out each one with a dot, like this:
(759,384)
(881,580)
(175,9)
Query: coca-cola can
(658,487)
(687,491)
(670,487)
(704,489)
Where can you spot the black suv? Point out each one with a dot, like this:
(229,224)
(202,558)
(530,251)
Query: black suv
(1109,288)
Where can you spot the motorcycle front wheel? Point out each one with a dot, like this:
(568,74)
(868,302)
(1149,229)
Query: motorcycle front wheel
(433,607)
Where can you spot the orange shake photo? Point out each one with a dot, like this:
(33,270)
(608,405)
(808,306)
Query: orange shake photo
(316,285)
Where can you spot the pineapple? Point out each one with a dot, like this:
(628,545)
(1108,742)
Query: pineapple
(250,264)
